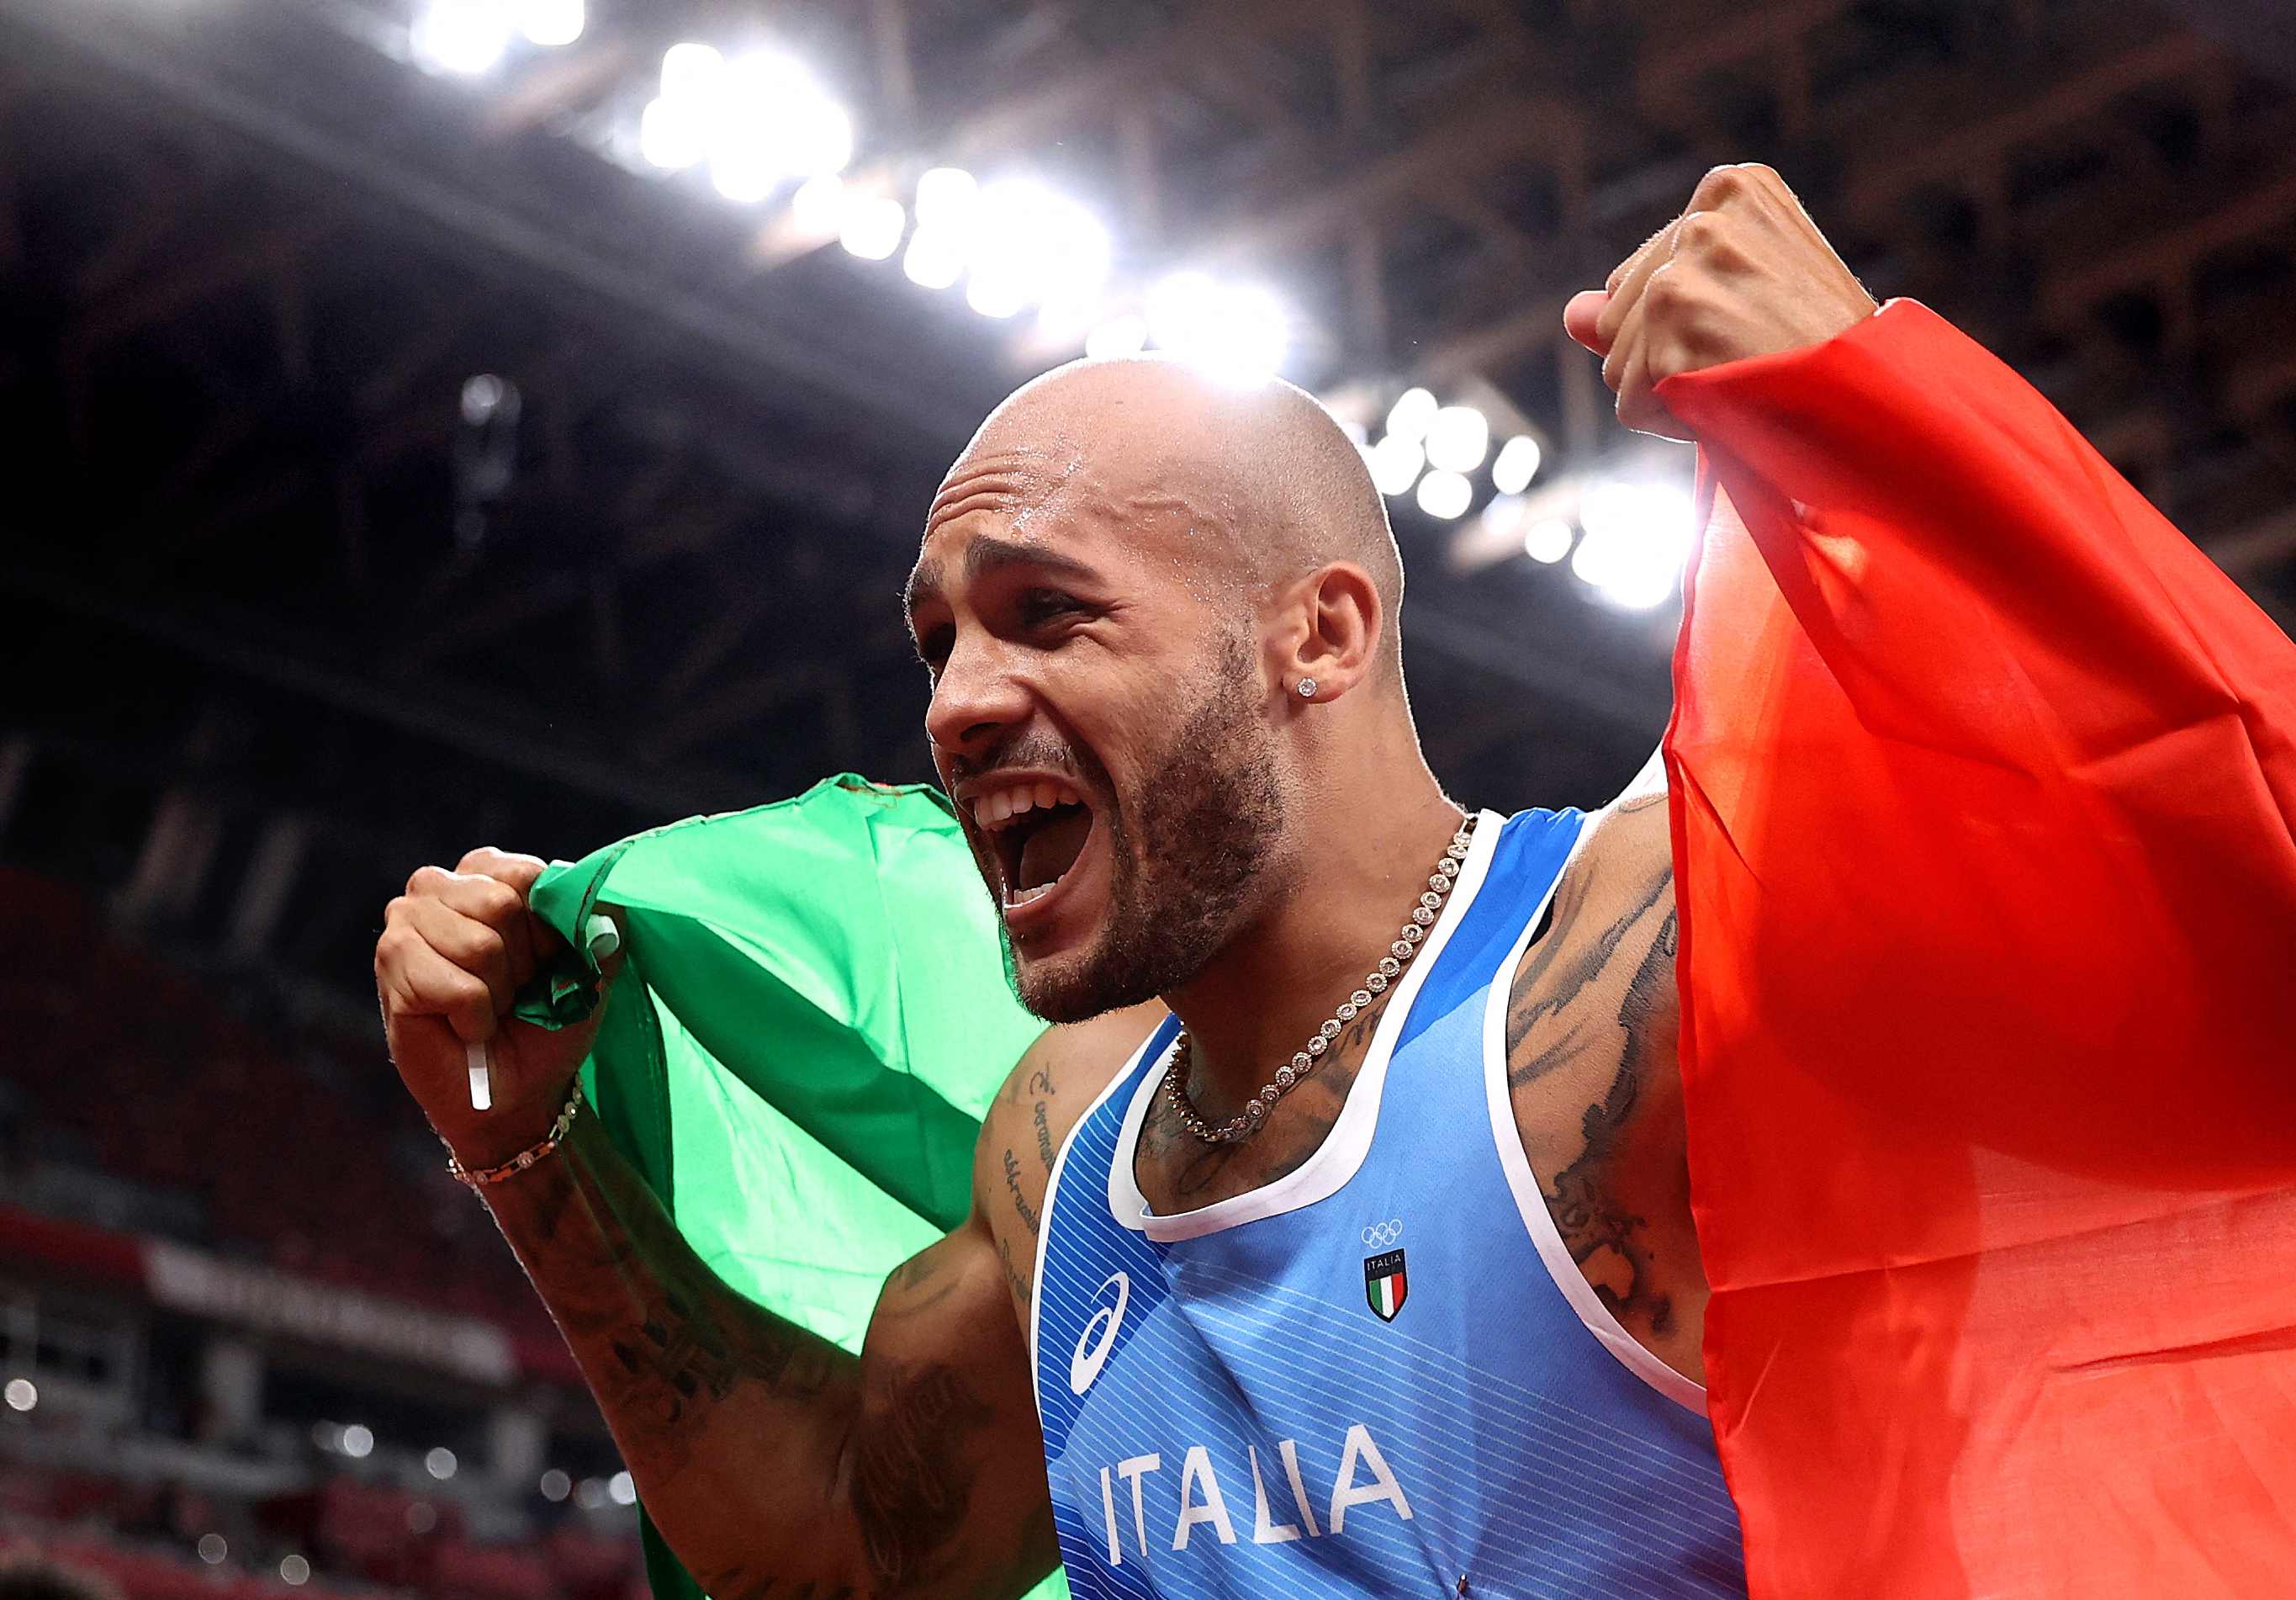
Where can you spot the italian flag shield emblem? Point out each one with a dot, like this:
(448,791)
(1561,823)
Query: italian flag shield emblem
(1384,1285)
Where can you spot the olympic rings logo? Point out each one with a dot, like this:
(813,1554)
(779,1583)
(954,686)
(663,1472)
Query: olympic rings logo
(1378,1236)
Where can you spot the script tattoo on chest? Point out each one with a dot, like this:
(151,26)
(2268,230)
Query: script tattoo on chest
(1592,1024)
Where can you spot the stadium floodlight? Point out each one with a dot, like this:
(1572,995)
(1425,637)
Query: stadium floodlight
(947,197)
(358,1442)
(1517,464)
(1395,463)
(294,1568)
(21,1394)
(935,258)
(872,226)
(1125,335)
(770,121)
(1414,410)
(214,1548)
(1029,245)
(439,1462)
(623,1488)
(819,205)
(1548,539)
(1445,494)
(464,38)
(691,74)
(555,1485)
(551,23)
(1638,535)
(1458,438)
(1237,332)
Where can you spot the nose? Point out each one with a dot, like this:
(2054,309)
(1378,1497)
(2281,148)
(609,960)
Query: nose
(976,700)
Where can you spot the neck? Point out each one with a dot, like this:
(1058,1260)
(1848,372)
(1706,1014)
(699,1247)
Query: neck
(1362,858)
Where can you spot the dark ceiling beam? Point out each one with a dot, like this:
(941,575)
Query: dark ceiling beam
(1456,151)
(461,717)
(1082,96)
(2163,261)
(1969,148)
(127,46)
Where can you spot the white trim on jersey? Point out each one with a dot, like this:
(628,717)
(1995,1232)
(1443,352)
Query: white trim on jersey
(1342,1153)
(1516,1164)
(1052,1187)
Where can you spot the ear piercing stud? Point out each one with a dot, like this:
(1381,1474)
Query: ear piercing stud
(1306,688)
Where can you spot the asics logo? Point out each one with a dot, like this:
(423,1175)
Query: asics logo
(1378,1236)
(1085,1363)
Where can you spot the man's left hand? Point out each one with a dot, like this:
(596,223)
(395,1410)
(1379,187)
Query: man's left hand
(1742,272)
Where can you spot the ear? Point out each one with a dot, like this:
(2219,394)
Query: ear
(1330,633)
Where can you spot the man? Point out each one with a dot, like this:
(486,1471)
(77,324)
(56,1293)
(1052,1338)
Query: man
(1372,1267)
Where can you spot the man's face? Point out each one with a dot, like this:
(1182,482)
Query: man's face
(1098,716)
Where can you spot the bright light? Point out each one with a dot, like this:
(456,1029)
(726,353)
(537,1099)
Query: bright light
(590,1494)
(213,1549)
(294,1570)
(462,36)
(1445,494)
(1395,463)
(995,296)
(555,1486)
(1637,536)
(946,198)
(358,1442)
(1458,439)
(872,227)
(1517,465)
(1548,540)
(1237,332)
(935,258)
(439,1462)
(1411,414)
(759,119)
(622,1490)
(1027,245)
(818,206)
(1126,335)
(673,132)
(549,22)
(691,72)
(20,1394)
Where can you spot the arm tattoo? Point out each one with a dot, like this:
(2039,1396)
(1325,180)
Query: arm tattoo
(1019,1202)
(911,1478)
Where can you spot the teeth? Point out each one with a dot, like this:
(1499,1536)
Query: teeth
(1022,896)
(1001,806)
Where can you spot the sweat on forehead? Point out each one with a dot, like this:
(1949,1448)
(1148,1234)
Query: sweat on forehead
(1144,438)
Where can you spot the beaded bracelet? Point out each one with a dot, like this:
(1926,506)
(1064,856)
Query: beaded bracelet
(525,1158)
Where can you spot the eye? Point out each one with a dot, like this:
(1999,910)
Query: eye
(933,646)
(1042,607)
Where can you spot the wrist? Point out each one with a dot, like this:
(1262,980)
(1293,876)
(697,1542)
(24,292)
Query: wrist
(480,1139)
(481,1177)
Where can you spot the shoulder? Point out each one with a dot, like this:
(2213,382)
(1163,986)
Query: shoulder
(1052,1086)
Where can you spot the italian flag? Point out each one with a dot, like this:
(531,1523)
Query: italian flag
(1982,785)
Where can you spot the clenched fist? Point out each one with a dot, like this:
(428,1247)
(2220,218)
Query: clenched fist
(1742,272)
(455,949)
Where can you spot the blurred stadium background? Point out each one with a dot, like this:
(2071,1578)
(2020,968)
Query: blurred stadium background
(508,421)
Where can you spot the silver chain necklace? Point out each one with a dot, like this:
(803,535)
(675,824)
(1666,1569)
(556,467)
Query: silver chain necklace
(1254,1114)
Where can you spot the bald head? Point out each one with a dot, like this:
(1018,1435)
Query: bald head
(1266,484)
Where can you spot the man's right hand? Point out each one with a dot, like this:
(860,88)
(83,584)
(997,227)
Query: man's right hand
(453,950)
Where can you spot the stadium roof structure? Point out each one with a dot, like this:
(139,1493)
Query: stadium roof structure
(405,459)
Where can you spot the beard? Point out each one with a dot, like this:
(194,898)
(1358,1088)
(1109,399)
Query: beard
(1193,855)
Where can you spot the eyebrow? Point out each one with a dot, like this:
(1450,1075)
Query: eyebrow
(988,554)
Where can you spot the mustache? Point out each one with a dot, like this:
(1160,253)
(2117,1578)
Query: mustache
(1024,750)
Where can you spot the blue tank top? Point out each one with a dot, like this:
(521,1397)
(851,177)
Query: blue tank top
(1381,1375)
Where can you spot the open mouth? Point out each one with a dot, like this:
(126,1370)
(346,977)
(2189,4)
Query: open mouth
(1037,830)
